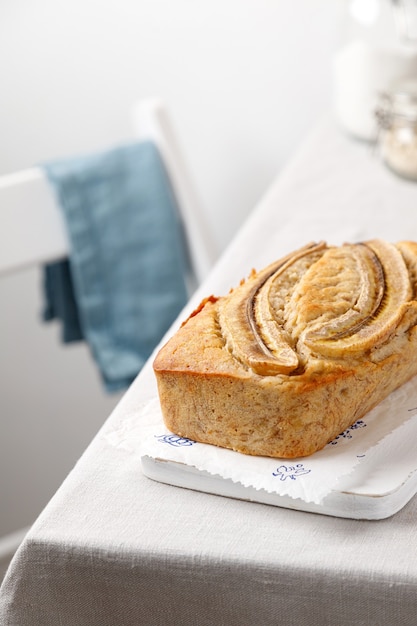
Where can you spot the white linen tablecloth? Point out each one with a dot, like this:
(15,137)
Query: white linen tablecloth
(114,548)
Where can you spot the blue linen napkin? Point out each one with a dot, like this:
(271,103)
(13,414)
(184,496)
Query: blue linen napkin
(124,282)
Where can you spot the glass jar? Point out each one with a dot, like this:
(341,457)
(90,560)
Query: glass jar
(397,119)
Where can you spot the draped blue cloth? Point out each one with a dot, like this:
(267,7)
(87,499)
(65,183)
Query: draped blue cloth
(124,282)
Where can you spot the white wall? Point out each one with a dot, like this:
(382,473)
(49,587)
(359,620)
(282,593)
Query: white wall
(244,81)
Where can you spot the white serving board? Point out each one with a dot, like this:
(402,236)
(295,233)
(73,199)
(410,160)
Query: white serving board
(349,504)
(381,485)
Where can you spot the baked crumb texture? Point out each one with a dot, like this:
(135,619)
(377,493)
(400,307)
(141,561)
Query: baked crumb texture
(296,353)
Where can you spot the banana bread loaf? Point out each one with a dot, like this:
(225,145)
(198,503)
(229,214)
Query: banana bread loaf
(297,352)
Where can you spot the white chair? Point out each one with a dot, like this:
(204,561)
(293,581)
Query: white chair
(32,229)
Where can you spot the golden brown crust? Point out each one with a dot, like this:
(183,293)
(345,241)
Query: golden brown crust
(297,352)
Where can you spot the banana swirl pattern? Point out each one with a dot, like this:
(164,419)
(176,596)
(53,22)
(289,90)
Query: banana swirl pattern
(323,301)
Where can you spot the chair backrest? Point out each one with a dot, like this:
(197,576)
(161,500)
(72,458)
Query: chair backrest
(32,228)
(151,121)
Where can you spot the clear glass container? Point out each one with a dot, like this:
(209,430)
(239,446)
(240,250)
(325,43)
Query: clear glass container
(397,119)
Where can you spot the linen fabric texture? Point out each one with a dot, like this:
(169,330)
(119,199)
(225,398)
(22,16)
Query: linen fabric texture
(124,282)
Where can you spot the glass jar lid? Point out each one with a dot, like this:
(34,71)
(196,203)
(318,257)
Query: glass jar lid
(400,103)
